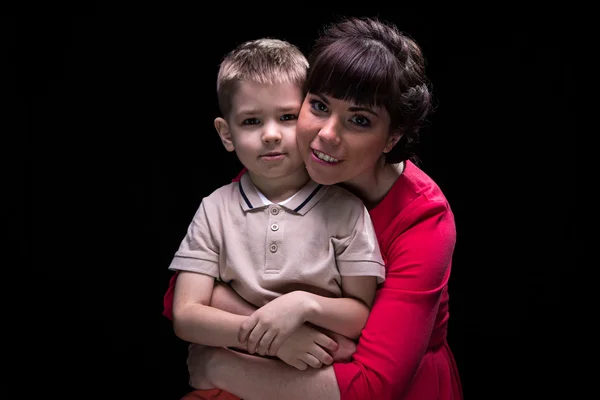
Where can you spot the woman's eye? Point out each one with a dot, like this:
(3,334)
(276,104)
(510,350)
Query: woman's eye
(361,120)
(318,105)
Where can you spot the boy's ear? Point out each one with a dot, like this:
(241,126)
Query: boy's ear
(393,139)
(223,129)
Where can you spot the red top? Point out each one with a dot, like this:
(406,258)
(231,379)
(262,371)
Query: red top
(402,351)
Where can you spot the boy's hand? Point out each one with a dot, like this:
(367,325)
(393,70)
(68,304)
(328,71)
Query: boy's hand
(307,347)
(271,325)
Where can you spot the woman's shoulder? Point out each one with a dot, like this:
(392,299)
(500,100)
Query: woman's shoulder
(413,190)
(417,182)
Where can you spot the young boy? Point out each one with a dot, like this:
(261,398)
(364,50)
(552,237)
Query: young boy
(299,251)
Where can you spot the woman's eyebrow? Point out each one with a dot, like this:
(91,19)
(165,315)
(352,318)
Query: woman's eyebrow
(370,111)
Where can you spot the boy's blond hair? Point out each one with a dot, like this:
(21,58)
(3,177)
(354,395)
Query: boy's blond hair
(265,61)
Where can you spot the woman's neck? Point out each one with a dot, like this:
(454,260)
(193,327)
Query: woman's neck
(371,187)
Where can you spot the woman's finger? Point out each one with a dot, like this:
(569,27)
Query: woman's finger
(299,364)
(320,354)
(311,360)
(326,342)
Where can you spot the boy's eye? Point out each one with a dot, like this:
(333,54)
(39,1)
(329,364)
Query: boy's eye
(288,117)
(318,105)
(250,121)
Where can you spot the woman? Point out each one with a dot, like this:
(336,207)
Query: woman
(367,96)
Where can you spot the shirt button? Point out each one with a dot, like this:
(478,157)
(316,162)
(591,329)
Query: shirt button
(274,227)
(274,211)
(273,247)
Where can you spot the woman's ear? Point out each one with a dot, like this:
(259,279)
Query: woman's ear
(223,130)
(392,140)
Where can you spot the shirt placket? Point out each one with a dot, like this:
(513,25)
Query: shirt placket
(274,243)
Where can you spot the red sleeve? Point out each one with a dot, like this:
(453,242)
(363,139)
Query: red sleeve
(168,298)
(418,256)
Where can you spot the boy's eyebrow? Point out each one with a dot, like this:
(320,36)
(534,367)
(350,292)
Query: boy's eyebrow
(254,111)
(353,108)
(288,108)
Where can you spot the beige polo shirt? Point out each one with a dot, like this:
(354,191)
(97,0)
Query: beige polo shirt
(266,250)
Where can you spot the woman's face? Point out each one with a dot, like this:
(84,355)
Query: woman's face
(340,141)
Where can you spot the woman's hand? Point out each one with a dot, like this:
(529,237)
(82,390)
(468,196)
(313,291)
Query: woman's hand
(345,349)
(307,347)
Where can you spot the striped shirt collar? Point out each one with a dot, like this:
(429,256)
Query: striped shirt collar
(302,202)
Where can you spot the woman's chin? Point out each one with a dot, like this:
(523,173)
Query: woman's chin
(325,175)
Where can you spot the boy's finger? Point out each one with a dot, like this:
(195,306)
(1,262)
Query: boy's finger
(246,328)
(255,337)
(265,343)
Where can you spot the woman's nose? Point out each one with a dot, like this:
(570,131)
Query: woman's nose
(330,132)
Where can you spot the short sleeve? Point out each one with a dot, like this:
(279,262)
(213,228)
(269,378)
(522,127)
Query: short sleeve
(358,252)
(199,249)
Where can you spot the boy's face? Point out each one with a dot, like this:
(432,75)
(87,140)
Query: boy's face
(261,128)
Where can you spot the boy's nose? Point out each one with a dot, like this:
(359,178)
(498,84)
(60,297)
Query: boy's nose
(271,134)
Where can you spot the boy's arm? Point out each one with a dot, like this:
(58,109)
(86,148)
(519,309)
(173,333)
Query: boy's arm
(270,326)
(197,262)
(347,315)
(361,268)
(361,288)
(224,298)
(197,322)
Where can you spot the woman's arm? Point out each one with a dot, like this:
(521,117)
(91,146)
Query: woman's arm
(418,257)
(394,339)
(249,377)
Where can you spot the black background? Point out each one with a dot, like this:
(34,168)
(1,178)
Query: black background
(115,107)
